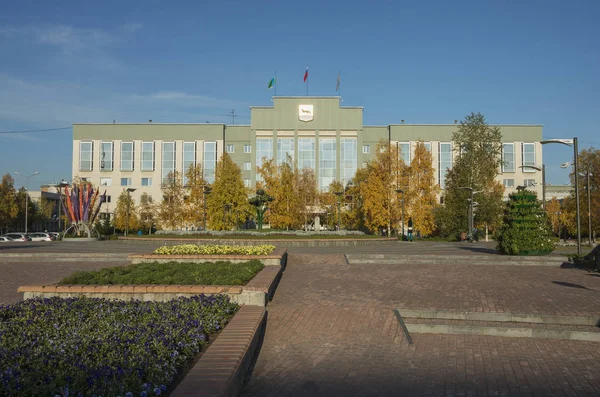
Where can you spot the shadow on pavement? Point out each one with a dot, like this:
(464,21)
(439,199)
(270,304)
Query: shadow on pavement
(565,284)
(481,250)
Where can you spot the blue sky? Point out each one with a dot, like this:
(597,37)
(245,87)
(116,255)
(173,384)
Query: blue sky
(193,61)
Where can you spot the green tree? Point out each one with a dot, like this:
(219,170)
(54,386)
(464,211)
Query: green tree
(227,204)
(194,205)
(171,209)
(354,218)
(8,204)
(43,209)
(148,216)
(589,161)
(307,194)
(329,201)
(126,204)
(480,148)
(422,190)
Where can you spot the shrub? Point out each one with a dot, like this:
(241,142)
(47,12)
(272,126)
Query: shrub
(193,249)
(86,347)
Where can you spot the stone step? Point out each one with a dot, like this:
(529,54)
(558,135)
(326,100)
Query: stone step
(475,259)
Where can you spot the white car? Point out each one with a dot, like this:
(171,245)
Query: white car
(41,237)
(5,239)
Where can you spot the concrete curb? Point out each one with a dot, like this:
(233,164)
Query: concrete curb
(276,242)
(61,257)
(275,259)
(223,367)
(475,259)
(503,331)
(500,317)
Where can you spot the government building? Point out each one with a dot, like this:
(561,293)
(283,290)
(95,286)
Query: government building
(316,132)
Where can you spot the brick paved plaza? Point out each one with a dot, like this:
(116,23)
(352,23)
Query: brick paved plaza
(331,330)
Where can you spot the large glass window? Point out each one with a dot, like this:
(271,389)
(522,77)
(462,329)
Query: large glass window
(86,155)
(306,153)
(264,149)
(210,161)
(168,160)
(105,181)
(508,182)
(348,159)
(230,148)
(125,181)
(285,147)
(189,159)
(508,157)
(146,181)
(327,166)
(528,154)
(126,156)
(247,149)
(147,156)
(106,156)
(404,151)
(427,146)
(445,162)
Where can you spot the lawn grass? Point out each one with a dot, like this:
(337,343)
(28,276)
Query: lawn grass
(172,273)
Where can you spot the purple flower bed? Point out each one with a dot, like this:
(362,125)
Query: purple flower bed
(99,347)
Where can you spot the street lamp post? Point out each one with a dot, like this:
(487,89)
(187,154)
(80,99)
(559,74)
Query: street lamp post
(129,191)
(543,170)
(206,191)
(60,186)
(402,191)
(26,194)
(573,143)
(339,200)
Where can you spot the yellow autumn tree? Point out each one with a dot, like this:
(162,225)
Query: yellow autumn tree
(171,208)
(422,190)
(194,204)
(353,218)
(227,204)
(329,201)
(307,194)
(380,199)
(553,212)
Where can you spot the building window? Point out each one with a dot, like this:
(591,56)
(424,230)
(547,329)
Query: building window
(509,182)
(126,156)
(427,146)
(327,162)
(210,161)
(264,150)
(146,181)
(445,162)
(247,166)
(528,156)
(285,147)
(508,157)
(106,156)
(529,182)
(86,155)
(107,199)
(125,181)
(247,149)
(147,156)
(306,153)
(404,152)
(189,159)
(230,148)
(366,149)
(348,159)
(105,181)
(247,182)
(168,160)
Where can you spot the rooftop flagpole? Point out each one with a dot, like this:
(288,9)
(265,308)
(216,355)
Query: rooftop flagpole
(338,85)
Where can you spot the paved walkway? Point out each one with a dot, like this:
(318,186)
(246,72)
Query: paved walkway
(331,332)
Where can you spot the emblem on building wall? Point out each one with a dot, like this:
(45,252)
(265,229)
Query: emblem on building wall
(305,113)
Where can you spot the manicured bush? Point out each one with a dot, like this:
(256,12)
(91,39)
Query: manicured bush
(97,347)
(525,229)
(219,273)
(193,249)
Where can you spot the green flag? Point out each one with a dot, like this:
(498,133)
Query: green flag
(271,83)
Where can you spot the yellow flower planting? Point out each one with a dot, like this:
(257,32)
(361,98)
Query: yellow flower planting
(193,249)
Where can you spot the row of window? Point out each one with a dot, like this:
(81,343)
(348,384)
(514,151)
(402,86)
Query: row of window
(231,148)
(148,182)
(526,182)
(527,157)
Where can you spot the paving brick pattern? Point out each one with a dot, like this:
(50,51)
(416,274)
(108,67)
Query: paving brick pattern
(331,332)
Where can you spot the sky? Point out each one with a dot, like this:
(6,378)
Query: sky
(425,62)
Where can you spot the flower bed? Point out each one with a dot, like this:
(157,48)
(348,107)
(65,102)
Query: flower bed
(86,347)
(193,249)
(170,273)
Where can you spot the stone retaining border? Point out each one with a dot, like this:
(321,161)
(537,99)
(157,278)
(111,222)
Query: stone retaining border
(475,259)
(276,258)
(221,370)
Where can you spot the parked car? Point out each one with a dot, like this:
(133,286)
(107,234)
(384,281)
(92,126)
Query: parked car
(42,237)
(18,236)
(5,239)
(55,234)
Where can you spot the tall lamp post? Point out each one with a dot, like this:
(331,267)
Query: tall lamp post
(339,200)
(543,170)
(398,191)
(573,143)
(26,194)
(129,191)
(205,192)
(60,186)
